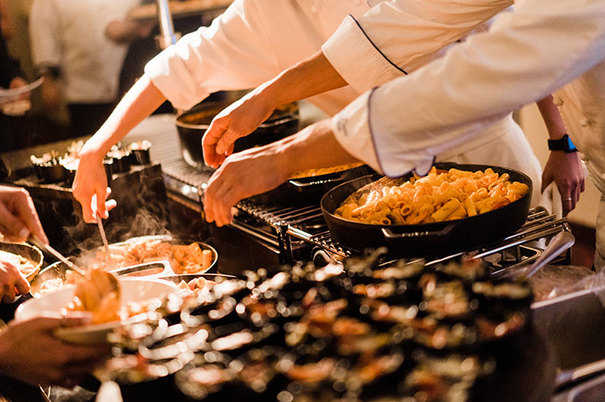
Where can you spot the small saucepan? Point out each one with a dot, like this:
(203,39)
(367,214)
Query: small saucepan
(192,124)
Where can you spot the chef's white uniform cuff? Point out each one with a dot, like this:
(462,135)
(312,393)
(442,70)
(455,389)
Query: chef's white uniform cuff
(362,67)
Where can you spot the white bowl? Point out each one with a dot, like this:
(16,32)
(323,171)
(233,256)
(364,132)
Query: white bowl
(51,304)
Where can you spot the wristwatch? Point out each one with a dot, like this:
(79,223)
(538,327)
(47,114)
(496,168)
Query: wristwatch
(562,144)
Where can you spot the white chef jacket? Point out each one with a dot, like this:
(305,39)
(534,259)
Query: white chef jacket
(526,55)
(70,34)
(254,40)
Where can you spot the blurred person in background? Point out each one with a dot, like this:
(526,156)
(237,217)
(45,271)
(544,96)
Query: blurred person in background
(11,77)
(78,61)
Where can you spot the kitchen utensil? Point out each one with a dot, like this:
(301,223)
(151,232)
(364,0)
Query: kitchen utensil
(557,245)
(57,255)
(104,237)
(438,238)
(111,278)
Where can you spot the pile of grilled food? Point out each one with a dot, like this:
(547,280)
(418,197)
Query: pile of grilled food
(365,331)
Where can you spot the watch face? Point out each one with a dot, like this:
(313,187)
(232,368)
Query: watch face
(569,146)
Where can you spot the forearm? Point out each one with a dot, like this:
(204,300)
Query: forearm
(310,77)
(138,103)
(314,147)
(552,118)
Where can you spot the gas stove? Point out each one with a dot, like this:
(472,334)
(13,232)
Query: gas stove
(295,233)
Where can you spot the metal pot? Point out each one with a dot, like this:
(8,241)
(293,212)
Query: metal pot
(434,239)
(192,124)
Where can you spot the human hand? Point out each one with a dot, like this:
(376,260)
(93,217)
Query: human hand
(237,120)
(566,170)
(12,283)
(50,94)
(243,174)
(90,186)
(19,82)
(31,353)
(18,216)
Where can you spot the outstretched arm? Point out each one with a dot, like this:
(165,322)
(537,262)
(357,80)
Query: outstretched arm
(310,77)
(140,101)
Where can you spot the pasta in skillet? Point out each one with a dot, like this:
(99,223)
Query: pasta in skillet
(437,197)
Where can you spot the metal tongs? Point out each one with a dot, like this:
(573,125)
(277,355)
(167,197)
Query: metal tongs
(558,244)
(46,247)
(104,237)
(111,278)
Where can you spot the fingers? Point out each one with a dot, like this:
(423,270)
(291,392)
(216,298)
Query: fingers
(22,285)
(85,200)
(8,293)
(546,180)
(12,283)
(26,210)
(209,141)
(12,227)
(226,142)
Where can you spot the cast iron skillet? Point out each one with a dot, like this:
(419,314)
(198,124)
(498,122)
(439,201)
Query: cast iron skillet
(304,190)
(192,124)
(429,239)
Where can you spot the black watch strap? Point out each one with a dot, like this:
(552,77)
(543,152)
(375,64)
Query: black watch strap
(562,144)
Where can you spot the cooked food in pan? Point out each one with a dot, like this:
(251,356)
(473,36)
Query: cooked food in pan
(324,171)
(439,196)
(184,259)
(25,266)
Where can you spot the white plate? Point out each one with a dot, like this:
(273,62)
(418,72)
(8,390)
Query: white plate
(51,304)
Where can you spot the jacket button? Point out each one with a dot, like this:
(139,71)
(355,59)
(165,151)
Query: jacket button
(585,122)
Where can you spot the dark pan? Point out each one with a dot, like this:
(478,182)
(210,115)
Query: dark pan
(429,239)
(305,190)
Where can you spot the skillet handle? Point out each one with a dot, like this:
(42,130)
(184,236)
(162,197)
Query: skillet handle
(423,234)
(300,184)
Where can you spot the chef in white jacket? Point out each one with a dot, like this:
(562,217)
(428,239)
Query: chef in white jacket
(255,40)
(540,47)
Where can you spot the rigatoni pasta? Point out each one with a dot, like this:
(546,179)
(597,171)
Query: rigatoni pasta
(437,197)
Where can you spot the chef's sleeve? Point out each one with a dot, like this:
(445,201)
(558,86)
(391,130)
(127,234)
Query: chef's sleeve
(397,37)
(234,52)
(45,34)
(526,55)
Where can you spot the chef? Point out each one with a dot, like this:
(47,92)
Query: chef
(402,125)
(79,63)
(253,41)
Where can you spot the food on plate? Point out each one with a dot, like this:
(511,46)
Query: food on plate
(99,295)
(25,266)
(323,171)
(184,259)
(439,196)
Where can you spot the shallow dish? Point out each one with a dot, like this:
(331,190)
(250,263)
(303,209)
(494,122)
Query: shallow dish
(27,251)
(52,304)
